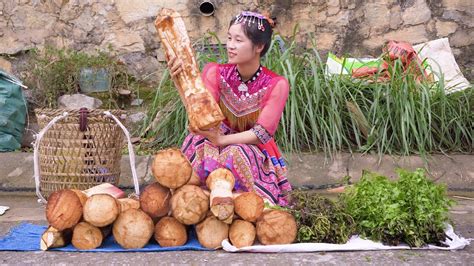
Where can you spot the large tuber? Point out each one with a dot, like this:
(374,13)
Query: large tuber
(86,236)
(170,233)
(155,200)
(133,229)
(242,233)
(203,111)
(276,227)
(171,168)
(249,206)
(211,232)
(101,210)
(189,204)
(64,209)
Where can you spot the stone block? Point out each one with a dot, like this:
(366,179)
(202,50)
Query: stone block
(124,41)
(460,5)
(325,40)
(77,101)
(376,14)
(444,28)
(417,14)
(462,38)
(131,11)
(395,17)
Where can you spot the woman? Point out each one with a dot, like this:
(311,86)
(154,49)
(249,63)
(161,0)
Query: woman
(252,99)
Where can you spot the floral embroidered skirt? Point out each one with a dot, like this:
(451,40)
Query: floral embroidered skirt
(258,168)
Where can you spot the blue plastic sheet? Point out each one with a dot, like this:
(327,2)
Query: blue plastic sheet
(26,237)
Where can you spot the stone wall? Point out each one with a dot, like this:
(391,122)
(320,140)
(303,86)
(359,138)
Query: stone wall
(353,27)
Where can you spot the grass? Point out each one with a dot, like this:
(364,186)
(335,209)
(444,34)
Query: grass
(338,113)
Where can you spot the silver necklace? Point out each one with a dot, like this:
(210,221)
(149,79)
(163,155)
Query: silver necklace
(243,84)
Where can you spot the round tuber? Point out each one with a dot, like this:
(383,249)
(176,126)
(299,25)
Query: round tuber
(64,209)
(133,229)
(171,168)
(170,233)
(242,233)
(249,206)
(86,236)
(189,204)
(276,227)
(101,210)
(211,232)
(155,200)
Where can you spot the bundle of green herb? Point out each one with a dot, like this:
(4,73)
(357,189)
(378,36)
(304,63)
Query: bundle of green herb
(413,209)
(319,219)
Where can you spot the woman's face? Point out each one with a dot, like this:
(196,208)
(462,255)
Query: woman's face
(240,48)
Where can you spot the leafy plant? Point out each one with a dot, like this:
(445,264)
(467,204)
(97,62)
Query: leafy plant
(412,209)
(339,113)
(320,219)
(55,72)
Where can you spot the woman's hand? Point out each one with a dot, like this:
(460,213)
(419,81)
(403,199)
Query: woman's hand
(175,66)
(213,135)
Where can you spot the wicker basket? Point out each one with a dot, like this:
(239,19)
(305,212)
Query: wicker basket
(79,149)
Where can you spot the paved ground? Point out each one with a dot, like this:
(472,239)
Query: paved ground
(25,208)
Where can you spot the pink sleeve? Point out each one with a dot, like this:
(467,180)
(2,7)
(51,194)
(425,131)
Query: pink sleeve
(272,109)
(210,79)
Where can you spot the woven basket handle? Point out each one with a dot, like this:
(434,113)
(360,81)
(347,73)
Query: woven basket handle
(40,135)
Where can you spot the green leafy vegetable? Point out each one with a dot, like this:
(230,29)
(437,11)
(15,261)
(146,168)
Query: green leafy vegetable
(320,219)
(412,210)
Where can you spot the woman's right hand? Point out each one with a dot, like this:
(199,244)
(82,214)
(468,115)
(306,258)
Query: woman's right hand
(175,66)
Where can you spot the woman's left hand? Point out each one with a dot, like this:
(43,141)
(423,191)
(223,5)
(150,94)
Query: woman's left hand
(213,135)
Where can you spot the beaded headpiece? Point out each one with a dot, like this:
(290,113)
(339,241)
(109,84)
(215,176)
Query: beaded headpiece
(253,17)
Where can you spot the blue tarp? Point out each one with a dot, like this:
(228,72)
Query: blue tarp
(26,237)
(12,112)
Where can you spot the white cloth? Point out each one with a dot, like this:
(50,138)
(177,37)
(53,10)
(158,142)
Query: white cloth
(356,243)
(3,209)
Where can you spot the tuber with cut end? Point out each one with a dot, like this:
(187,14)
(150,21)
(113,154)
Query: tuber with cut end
(221,182)
(53,238)
(189,204)
(170,233)
(64,209)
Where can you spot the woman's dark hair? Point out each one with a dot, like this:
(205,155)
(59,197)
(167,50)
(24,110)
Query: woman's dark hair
(255,35)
